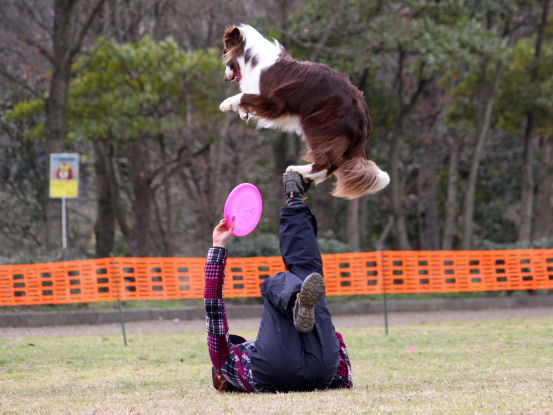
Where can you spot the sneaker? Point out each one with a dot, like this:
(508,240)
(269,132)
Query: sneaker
(295,185)
(311,292)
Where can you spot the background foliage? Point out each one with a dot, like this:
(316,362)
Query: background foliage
(460,93)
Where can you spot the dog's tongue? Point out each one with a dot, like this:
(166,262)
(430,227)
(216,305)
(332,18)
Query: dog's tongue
(237,76)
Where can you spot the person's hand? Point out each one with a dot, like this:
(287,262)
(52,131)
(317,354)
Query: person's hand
(221,234)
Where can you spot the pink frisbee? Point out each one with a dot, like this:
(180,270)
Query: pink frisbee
(245,205)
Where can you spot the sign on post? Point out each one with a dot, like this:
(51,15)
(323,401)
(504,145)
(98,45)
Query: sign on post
(64,183)
(64,175)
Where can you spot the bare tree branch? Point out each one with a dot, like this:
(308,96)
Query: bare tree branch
(31,12)
(385,233)
(329,27)
(23,37)
(84,29)
(19,82)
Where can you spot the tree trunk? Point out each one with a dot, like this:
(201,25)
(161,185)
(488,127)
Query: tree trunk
(363,223)
(396,188)
(396,193)
(323,205)
(452,187)
(165,229)
(168,246)
(353,224)
(105,217)
(429,234)
(64,20)
(66,41)
(481,132)
(139,160)
(283,156)
(527,197)
(543,200)
(115,197)
(385,232)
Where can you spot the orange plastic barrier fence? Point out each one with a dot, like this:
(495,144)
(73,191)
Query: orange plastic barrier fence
(110,279)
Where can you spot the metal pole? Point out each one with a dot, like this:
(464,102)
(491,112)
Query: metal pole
(385,313)
(63,224)
(382,276)
(122,322)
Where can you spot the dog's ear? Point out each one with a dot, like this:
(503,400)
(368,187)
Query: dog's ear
(232,37)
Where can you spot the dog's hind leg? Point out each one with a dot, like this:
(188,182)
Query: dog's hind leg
(306,172)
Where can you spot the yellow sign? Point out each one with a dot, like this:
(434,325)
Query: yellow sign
(64,175)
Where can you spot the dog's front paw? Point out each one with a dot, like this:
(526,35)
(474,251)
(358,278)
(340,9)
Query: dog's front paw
(306,172)
(226,105)
(303,170)
(231,103)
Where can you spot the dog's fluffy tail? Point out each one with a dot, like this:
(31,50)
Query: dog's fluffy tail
(357,177)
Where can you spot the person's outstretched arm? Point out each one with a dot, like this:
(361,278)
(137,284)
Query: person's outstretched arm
(216,317)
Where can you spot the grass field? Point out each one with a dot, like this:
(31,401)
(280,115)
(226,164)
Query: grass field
(478,367)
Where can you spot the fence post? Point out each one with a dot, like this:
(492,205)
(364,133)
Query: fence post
(122,322)
(385,313)
(383,279)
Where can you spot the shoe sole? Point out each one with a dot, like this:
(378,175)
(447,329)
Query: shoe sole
(311,292)
(291,177)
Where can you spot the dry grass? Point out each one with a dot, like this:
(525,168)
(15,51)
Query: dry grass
(484,367)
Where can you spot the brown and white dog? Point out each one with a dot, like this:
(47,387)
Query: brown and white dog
(309,99)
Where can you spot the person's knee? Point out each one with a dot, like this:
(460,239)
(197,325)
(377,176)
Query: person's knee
(304,268)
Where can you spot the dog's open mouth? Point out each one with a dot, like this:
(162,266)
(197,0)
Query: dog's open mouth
(236,75)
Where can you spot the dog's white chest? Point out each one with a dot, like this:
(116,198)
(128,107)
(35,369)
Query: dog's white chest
(288,123)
